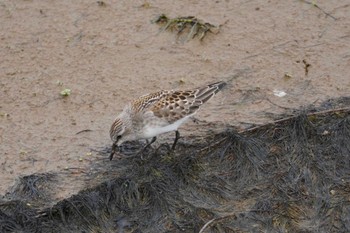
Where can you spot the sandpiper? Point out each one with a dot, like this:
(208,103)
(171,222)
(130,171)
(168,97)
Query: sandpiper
(159,112)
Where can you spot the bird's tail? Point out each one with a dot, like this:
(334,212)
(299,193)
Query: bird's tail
(206,93)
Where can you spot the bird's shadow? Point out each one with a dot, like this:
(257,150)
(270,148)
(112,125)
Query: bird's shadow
(138,150)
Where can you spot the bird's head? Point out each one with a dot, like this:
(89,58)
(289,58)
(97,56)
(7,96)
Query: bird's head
(117,131)
(120,131)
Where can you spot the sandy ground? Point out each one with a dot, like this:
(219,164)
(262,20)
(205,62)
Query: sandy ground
(110,53)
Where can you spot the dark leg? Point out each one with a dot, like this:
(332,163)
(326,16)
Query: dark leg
(150,143)
(114,147)
(177,136)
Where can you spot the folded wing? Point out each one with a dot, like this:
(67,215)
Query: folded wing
(174,105)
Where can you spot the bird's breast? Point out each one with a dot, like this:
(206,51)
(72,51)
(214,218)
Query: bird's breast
(154,128)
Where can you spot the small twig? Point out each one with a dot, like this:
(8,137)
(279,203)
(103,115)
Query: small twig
(205,225)
(213,220)
(268,100)
(215,143)
(306,67)
(291,117)
(315,5)
(84,130)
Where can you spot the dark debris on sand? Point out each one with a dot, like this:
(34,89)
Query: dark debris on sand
(289,176)
(189,25)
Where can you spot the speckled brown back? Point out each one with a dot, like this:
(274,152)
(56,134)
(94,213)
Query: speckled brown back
(177,104)
(146,101)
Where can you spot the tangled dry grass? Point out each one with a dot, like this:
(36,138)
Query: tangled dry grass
(289,176)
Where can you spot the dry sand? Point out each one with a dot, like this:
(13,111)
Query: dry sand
(108,54)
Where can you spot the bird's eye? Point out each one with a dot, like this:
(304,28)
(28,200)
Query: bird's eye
(119,137)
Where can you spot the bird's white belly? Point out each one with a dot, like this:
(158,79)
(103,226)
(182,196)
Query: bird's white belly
(151,131)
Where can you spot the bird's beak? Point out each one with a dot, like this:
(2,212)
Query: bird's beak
(118,141)
(114,149)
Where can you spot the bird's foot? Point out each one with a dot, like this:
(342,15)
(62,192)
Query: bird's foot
(163,149)
(144,152)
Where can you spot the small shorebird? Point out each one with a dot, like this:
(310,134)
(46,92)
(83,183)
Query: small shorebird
(159,112)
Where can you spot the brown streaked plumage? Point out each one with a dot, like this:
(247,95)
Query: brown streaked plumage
(159,112)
